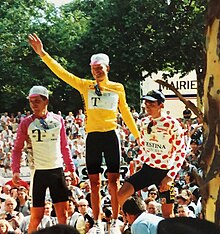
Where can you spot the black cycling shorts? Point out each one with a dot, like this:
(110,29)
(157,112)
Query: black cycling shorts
(99,145)
(54,180)
(147,176)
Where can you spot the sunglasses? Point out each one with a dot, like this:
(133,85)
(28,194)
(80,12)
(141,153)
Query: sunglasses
(97,90)
(149,127)
(44,124)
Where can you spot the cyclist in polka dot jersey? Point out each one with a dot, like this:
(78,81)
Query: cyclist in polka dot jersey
(163,147)
(162,152)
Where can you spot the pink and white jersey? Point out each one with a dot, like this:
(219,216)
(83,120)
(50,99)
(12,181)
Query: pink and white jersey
(47,142)
(164,146)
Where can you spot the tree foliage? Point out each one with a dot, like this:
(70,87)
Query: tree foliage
(138,35)
(142,35)
(17,19)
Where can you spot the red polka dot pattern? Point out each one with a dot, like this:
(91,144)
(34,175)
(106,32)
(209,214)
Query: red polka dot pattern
(164,147)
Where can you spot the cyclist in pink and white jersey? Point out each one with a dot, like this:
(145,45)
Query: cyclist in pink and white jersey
(44,133)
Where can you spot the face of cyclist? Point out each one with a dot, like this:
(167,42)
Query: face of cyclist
(99,71)
(38,105)
(153,108)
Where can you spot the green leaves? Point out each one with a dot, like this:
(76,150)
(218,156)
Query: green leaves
(138,35)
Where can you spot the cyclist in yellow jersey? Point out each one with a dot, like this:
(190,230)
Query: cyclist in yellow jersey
(102,99)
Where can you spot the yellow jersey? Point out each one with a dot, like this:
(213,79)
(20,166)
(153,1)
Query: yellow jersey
(101,111)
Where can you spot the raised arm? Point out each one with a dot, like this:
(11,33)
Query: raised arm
(36,44)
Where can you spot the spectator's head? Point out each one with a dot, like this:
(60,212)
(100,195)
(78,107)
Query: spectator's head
(195,192)
(22,192)
(148,199)
(80,111)
(183,225)
(153,193)
(107,201)
(14,192)
(10,204)
(71,206)
(68,180)
(87,186)
(194,144)
(130,154)
(107,214)
(189,177)
(133,207)
(187,113)
(197,135)
(5,227)
(184,197)
(79,135)
(199,119)
(6,189)
(48,208)
(83,206)
(185,164)
(135,115)
(152,207)
(183,211)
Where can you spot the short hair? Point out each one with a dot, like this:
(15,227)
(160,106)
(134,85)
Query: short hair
(148,199)
(12,200)
(192,176)
(185,207)
(72,200)
(134,206)
(83,201)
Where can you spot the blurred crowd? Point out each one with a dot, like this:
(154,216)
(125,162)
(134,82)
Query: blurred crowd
(16,201)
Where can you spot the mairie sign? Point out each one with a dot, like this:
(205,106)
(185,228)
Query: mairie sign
(186,85)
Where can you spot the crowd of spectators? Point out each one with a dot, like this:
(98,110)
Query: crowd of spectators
(16,202)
